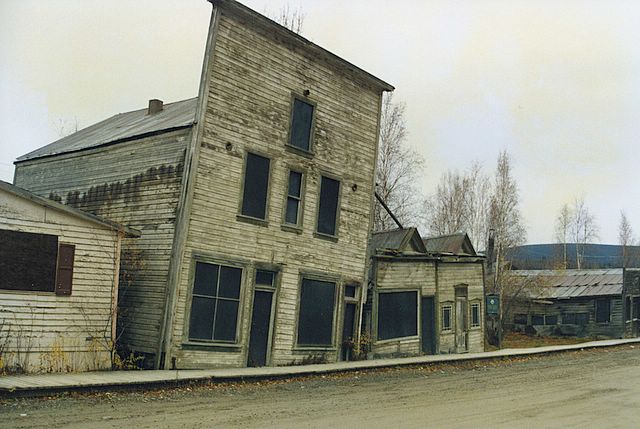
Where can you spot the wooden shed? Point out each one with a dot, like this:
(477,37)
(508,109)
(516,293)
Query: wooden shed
(58,285)
(423,302)
(254,200)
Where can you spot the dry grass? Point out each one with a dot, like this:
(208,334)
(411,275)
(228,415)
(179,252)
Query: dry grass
(514,340)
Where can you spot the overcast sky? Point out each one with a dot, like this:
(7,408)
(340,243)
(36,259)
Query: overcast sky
(556,83)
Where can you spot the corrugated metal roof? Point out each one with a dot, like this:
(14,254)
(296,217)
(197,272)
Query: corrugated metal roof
(454,243)
(122,126)
(564,284)
(389,240)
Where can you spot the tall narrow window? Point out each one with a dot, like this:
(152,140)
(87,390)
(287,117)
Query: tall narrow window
(315,319)
(475,315)
(446,318)
(256,185)
(301,125)
(328,206)
(215,303)
(294,199)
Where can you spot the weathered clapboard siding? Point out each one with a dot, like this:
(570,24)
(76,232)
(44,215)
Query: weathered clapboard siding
(46,332)
(136,183)
(252,77)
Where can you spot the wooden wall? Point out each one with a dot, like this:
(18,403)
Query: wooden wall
(135,183)
(42,331)
(252,78)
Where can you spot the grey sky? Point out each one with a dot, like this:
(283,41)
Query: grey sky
(557,84)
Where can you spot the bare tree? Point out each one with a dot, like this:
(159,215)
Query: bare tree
(625,237)
(583,230)
(288,17)
(562,228)
(397,169)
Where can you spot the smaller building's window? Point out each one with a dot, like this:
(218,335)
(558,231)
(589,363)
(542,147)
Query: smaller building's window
(537,319)
(520,319)
(446,317)
(301,124)
(294,199)
(551,319)
(256,186)
(397,315)
(328,206)
(603,310)
(475,315)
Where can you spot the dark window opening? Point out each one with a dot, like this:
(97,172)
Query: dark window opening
(397,315)
(580,319)
(315,319)
(475,315)
(294,198)
(28,261)
(301,125)
(446,318)
(537,319)
(350,291)
(520,319)
(265,278)
(603,310)
(328,206)
(215,303)
(256,185)
(551,319)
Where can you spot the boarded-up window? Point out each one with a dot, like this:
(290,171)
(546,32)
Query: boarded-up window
(397,315)
(301,125)
(315,319)
(215,302)
(537,319)
(475,315)
(328,208)
(64,274)
(446,317)
(28,261)
(256,186)
(294,198)
(603,310)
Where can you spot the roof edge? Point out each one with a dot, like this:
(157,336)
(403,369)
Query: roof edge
(241,10)
(45,202)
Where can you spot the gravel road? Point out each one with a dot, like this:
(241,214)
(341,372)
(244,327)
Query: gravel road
(586,389)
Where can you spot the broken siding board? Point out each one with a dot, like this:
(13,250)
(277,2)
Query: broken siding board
(143,180)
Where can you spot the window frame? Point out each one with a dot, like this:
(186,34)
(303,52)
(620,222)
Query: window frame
(247,218)
(446,305)
(301,201)
(237,344)
(324,235)
(377,318)
(337,305)
(295,149)
(475,303)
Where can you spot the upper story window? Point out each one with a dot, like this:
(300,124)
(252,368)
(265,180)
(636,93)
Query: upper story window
(293,215)
(328,206)
(35,262)
(301,132)
(256,186)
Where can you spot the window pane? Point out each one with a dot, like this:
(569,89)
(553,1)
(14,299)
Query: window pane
(551,319)
(328,210)
(301,124)
(28,261)
(265,278)
(226,317)
(295,184)
(291,215)
(230,282)
(446,318)
(206,279)
(256,183)
(397,315)
(475,315)
(582,318)
(537,319)
(569,319)
(201,323)
(350,291)
(315,322)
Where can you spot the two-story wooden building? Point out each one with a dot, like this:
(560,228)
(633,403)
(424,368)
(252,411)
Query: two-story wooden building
(254,200)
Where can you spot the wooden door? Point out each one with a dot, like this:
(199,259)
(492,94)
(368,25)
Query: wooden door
(427,313)
(461,324)
(348,328)
(260,328)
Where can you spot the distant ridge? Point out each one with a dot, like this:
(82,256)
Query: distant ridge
(550,256)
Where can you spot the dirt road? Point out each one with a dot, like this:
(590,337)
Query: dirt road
(590,389)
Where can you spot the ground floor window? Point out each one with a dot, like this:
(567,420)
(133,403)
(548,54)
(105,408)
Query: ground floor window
(397,315)
(551,319)
(475,315)
(215,302)
(446,317)
(520,319)
(580,319)
(537,319)
(316,313)
(603,310)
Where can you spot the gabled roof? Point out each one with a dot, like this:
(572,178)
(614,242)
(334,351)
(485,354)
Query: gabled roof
(23,193)
(122,127)
(397,240)
(564,284)
(457,244)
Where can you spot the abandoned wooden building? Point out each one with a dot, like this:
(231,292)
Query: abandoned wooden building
(254,200)
(631,300)
(583,303)
(58,284)
(423,302)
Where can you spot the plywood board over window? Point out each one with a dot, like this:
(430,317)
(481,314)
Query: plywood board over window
(397,315)
(316,313)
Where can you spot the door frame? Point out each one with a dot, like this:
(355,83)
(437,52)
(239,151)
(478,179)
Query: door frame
(272,317)
(434,310)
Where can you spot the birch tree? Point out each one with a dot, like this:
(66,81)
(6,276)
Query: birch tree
(397,169)
(583,230)
(625,238)
(562,229)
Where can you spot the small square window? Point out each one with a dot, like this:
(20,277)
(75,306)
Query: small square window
(301,125)
(350,291)
(537,319)
(265,278)
(551,319)
(446,318)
